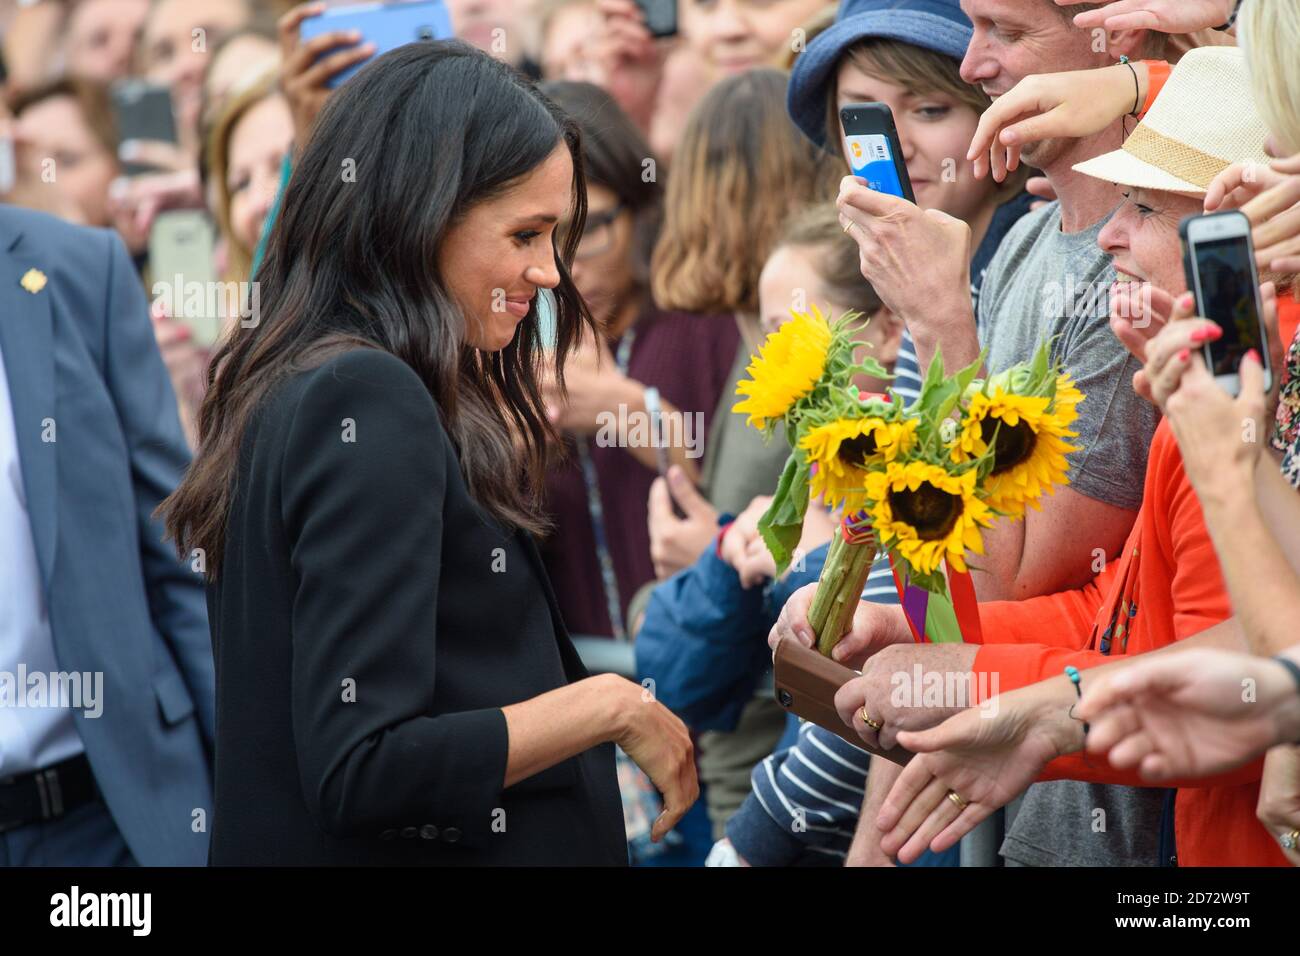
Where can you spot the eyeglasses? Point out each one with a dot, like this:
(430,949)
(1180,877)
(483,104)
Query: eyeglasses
(598,233)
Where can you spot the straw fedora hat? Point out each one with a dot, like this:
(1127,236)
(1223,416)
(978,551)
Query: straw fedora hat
(1203,121)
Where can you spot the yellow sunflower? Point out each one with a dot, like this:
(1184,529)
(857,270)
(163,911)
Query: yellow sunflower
(840,450)
(927,514)
(1068,398)
(1029,449)
(787,367)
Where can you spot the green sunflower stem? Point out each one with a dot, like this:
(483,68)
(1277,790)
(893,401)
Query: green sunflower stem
(839,589)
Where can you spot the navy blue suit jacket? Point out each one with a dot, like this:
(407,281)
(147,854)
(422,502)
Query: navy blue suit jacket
(101,445)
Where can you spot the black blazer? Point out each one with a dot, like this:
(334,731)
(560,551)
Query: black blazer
(369,621)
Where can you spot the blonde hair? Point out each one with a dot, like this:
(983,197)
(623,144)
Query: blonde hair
(1269,32)
(217,152)
(740,169)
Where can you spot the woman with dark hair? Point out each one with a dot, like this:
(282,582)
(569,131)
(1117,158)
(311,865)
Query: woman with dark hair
(645,361)
(395,684)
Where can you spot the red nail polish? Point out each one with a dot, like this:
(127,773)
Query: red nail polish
(1184,355)
(1207,333)
(1254,357)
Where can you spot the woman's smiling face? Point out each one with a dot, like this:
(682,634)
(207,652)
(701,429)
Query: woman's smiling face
(1142,237)
(496,257)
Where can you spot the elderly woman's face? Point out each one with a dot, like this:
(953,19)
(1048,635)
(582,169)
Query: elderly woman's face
(1142,237)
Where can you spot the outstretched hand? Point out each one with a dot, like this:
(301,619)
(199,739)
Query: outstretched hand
(1164,16)
(984,760)
(1191,714)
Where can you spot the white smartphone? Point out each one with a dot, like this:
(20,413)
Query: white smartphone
(182,246)
(1219,259)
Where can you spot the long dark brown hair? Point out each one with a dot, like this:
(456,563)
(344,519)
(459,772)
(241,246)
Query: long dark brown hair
(399,153)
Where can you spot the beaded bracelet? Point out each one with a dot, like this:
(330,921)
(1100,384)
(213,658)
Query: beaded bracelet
(1137,85)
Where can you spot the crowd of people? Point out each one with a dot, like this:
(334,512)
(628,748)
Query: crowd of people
(323,428)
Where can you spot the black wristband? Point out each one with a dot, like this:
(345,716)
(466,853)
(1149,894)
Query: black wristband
(1292,668)
(1232,20)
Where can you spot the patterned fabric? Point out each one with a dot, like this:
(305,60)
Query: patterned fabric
(1286,435)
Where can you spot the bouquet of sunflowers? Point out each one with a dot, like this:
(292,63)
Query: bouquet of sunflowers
(921,481)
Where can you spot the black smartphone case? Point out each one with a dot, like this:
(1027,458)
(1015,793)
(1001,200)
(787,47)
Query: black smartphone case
(880,120)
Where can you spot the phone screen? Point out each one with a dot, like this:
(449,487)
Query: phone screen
(871,157)
(1223,270)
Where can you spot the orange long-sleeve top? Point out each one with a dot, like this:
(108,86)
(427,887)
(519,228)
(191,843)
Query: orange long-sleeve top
(1164,587)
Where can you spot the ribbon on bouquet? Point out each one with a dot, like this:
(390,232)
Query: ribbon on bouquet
(936,618)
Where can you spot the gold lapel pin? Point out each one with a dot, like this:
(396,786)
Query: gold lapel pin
(33,281)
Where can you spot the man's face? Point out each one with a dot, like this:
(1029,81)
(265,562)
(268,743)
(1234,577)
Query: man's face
(177,38)
(1013,39)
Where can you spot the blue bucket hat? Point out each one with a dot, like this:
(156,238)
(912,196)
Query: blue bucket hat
(937,25)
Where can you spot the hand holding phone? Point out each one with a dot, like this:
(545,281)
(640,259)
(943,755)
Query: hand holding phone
(380,26)
(1219,259)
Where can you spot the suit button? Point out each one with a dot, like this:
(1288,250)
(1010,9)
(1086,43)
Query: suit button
(451,835)
(388,834)
(428,832)
(408,833)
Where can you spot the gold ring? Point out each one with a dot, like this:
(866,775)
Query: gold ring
(955,797)
(850,226)
(1290,840)
(873,724)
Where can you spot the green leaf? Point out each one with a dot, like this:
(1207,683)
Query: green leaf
(782,524)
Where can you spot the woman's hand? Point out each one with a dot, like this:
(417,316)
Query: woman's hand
(875,626)
(1239,184)
(739,540)
(1190,714)
(593,385)
(1275,215)
(1138,313)
(1171,352)
(1066,105)
(987,761)
(134,202)
(632,59)
(659,743)
(1279,796)
(755,563)
(676,543)
(305,71)
(1219,436)
(1165,16)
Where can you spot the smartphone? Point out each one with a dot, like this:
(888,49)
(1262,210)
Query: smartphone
(1219,259)
(660,16)
(181,248)
(142,110)
(386,25)
(873,149)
